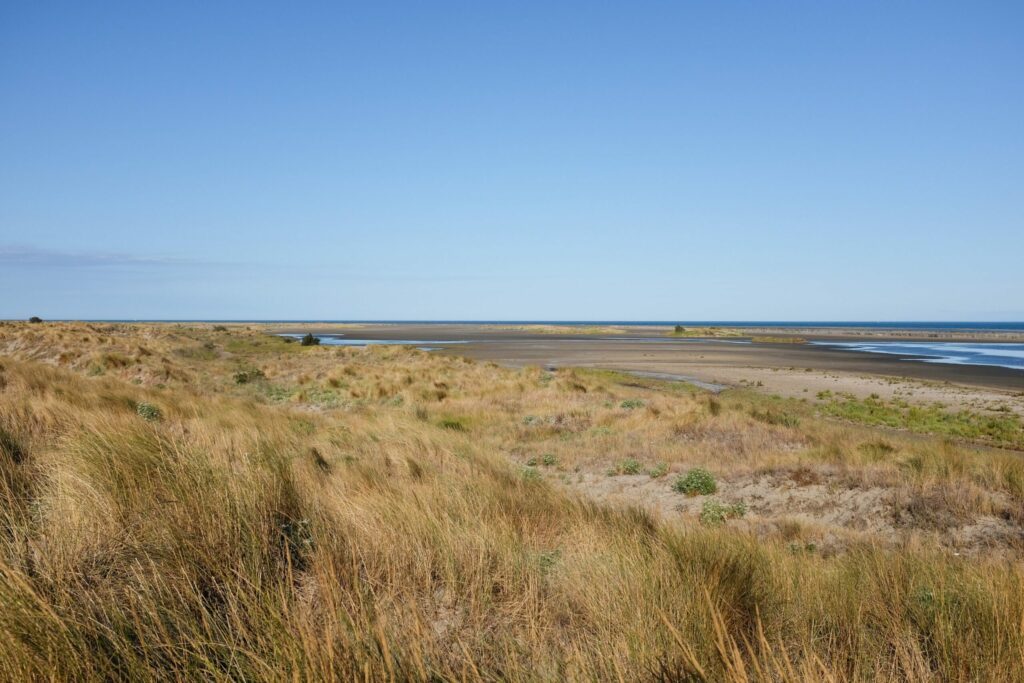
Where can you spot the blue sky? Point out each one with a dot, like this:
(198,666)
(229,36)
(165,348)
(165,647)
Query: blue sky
(490,160)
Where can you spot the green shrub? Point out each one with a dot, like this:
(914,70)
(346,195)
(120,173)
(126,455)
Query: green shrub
(35,319)
(548,460)
(658,471)
(310,340)
(631,403)
(531,474)
(249,375)
(148,411)
(696,482)
(627,466)
(714,512)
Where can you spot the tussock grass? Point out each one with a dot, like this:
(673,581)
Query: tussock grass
(239,537)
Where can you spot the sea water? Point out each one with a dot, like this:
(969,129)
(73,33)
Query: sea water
(957,353)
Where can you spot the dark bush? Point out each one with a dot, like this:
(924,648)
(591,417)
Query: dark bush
(35,319)
(310,340)
(249,375)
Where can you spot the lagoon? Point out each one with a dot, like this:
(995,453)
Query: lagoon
(954,353)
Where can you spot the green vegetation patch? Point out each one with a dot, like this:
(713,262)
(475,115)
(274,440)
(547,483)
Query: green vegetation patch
(658,471)
(696,482)
(148,412)
(247,375)
(263,344)
(627,466)
(714,512)
(1002,430)
(776,417)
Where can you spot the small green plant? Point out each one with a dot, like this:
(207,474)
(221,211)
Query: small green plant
(714,512)
(627,466)
(249,375)
(531,474)
(148,412)
(631,404)
(696,482)
(548,560)
(548,460)
(453,424)
(658,471)
(310,340)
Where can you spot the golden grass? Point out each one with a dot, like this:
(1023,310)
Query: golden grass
(329,522)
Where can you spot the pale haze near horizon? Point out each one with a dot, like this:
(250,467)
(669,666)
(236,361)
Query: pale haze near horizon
(651,161)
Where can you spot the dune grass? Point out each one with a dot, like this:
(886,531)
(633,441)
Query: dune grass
(218,534)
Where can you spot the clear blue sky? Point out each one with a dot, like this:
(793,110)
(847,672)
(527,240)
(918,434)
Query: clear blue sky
(490,160)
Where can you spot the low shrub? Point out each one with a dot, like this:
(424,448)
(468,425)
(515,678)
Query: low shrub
(658,471)
(714,512)
(148,412)
(627,466)
(696,482)
(249,375)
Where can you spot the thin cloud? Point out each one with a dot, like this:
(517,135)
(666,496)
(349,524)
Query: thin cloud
(22,255)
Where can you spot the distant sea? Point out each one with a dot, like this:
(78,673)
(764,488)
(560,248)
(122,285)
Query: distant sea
(935,326)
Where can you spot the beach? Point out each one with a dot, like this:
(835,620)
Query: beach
(798,370)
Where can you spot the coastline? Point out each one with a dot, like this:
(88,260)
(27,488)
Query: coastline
(788,369)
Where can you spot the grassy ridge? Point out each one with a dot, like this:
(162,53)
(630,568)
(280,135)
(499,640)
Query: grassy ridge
(235,533)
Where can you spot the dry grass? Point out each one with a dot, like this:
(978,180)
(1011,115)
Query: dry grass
(329,521)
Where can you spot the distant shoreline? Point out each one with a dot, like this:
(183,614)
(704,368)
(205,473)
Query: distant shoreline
(752,325)
(708,359)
